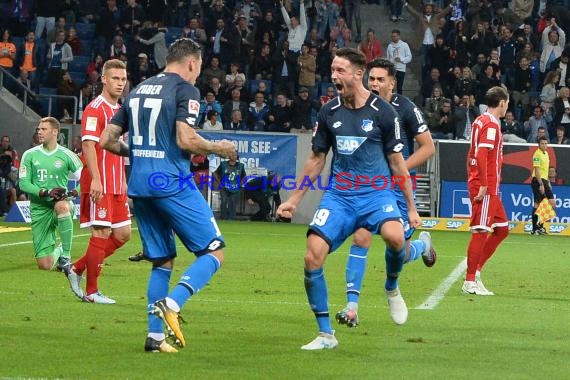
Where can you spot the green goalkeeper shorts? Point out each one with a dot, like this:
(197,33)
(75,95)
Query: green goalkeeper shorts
(44,224)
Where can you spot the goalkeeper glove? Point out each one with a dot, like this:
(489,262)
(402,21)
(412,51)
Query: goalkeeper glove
(57,193)
(72,193)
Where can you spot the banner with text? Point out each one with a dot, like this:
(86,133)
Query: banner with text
(517,199)
(517,161)
(457,224)
(276,153)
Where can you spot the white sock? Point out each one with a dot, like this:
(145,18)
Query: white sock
(172,304)
(157,336)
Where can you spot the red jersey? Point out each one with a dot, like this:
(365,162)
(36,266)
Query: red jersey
(485,134)
(111,167)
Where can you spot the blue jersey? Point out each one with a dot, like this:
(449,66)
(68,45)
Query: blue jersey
(412,123)
(360,139)
(159,168)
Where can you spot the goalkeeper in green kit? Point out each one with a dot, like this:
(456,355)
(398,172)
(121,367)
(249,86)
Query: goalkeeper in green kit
(44,172)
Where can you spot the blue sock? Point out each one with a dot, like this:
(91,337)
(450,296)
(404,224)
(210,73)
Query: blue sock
(318,297)
(394,264)
(355,268)
(196,276)
(417,247)
(157,289)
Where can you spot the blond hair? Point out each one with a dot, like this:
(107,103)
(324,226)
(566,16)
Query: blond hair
(52,121)
(113,64)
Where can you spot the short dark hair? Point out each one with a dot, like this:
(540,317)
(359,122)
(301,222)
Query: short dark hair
(494,96)
(382,63)
(542,138)
(182,48)
(211,113)
(353,56)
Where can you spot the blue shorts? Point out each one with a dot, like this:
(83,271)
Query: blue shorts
(187,214)
(338,217)
(403,206)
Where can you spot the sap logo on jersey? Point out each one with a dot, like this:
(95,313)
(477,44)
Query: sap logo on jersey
(454,224)
(348,144)
(556,228)
(429,223)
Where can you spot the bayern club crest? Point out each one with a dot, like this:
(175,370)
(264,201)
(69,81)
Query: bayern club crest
(102,213)
(366,125)
(58,164)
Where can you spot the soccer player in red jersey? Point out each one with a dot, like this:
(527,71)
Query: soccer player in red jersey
(104,206)
(484,170)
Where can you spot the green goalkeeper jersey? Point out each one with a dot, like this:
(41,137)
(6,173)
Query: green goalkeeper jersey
(42,169)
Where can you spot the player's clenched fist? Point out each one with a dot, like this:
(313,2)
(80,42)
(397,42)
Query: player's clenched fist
(286,210)
(225,148)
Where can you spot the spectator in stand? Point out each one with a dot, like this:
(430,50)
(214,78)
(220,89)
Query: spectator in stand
(560,65)
(262,67)
(96,64)
(217,88)
(234,103)
(244,44)
(157,39)
(250,11)
(489,78)
(434,80)
(521,87)
(438,55)
(534,123)
(327,14)
(262,87)
(560,138)
(27,59)
(212,123)
(8,53)
(398,52)
(434,103)
(480,64)
(467,85)
(45,11)
(66,86)
(59,55)
(302,108)
(562,110)
(220,43)
(6,148)
(214,71)
(108,25)
(284,70)
(507,54)
(548,93)
(396,11)
(297,27)
(216,11)
(553,40)
(142,70)
(236,123)
(340,34)
(371,47)
(239,84)
(267,25)
(482,40)
(329,95)
(209,103)
(280,115)
(132,17)
(511,129)
(60,25)
(117,48)
(73,40)
(234,73)
(441,122)
(88,11)
(458,40)
(257,112)
(464,114)
(195,32)
(352,10)
(526,35)
(553,177)
(307,70)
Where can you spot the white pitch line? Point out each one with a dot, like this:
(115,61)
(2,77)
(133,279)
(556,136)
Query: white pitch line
(437,295)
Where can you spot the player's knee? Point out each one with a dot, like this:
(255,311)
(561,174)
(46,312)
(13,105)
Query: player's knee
(362,238)
(101,232)
(393,234)
(219,254)
(501,232)
(122,234)
(43,265)
(62,207)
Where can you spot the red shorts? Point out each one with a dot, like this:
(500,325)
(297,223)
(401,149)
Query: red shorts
(111,211)
(488,214)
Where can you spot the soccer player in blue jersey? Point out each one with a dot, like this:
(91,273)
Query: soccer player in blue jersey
(160,115)
(382,81)
(363,132)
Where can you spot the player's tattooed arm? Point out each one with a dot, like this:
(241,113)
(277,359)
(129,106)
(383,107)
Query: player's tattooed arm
(189,140)
(111,140)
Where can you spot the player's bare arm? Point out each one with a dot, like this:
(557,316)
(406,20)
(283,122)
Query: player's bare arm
(399,170)
(426,149)
(189,140)
(111,140)
(96,191)
(312,168)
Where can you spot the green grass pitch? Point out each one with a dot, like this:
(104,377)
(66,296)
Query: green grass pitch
(251,320)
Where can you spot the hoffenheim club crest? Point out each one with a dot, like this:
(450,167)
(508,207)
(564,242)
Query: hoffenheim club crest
(366,125)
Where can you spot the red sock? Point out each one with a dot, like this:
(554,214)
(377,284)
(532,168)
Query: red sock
(491,244)
(112,245)
(95,257)
(474,253)
(80,265)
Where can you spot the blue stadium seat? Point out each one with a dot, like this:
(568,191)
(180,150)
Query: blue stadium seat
(86,47)
(85,31)
(254,85)
(44,101)
(79,63)
(170,37)
(79,77)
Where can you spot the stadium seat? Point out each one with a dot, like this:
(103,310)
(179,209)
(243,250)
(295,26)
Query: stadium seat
(44,101)
(18,41)
(170,37)
(254,85)
(85,31)
(79,77)
(86,47)
(79,63)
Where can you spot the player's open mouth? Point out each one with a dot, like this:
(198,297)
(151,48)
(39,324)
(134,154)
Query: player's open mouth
(338,86)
